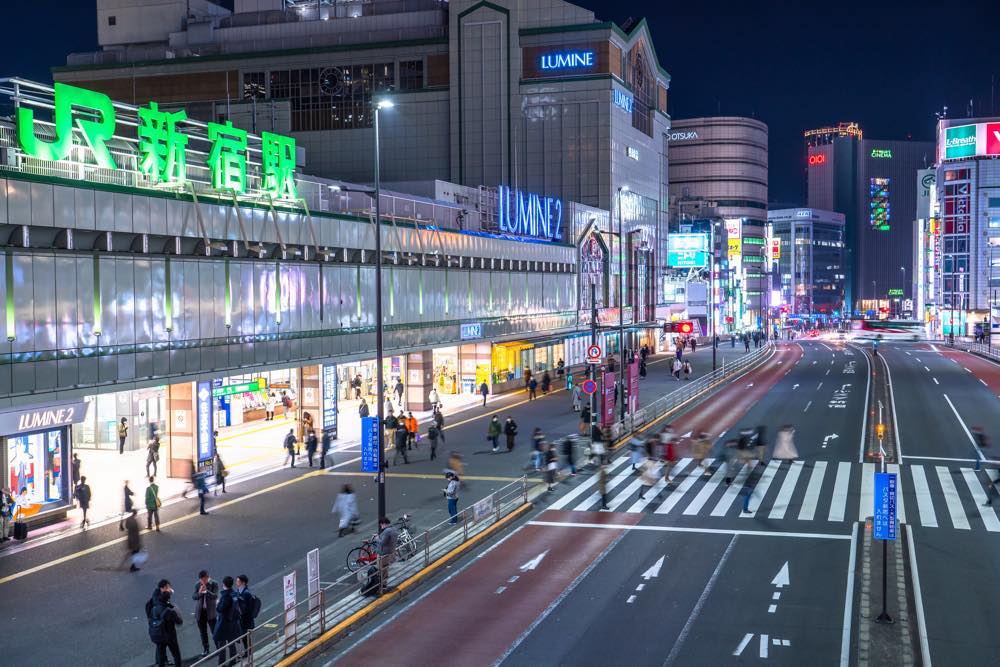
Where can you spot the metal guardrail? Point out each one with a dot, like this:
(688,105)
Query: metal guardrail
(989,351)
(281,635)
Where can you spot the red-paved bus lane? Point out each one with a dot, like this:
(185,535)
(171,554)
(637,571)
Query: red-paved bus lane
(477,615)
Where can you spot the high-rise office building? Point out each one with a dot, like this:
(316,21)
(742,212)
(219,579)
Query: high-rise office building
(808,247)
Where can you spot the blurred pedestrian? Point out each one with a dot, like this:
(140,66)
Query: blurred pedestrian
(82,495)
(152,505)
(551,466)
(577,398)
(651,474)
(75,469)
(702,450)
(457,466)
(200,481)
(538,450)
(602,485)
(228,626)
(324,449)
(687,369)
(760,443)
(127,505)
(585,420)
(569,454)
(982,442)
(433,434)
(152,454)
(451,495)
(399,442)
(312,444)
(206,597)
(346,507)
(784,446)
(363,410)
(438,418)
(133,542)
(510,431)
(546,382)
(220,471)
(289,444)
(636,452)
(484,389)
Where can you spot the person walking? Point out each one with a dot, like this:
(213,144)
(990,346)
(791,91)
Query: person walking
(83,495)
(732,341)
(433,434)
(399,439)
(356,386)
(694,345)
(438,418)
(227,623)
(346,506)
(569,453)
(510,431)
(532,389)
(286,404)
(122,435)
(642,368)
(433,398)
(702,449)
(206,597)
(270,403)
(637,453)
(585,420)
(398,390)
(6,513)
(163,621)
(493,433)
(538,448)
(484,389)
(324,449)
(127,505)
(152,505)
(982,442)
(385,547)
(546,383)
(551,466)
(75,469)
(220,472)
(687,369)
(577,398)
(602,485)
(289,445)
(677,368)
(363,410)
(784,446)
(412,431)
(312,444)
(451,495)
(152,455)
(133,542)
(650,476)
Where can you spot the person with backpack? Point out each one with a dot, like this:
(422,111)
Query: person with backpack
(83,495)
(152,505)
(206,597)
(439,422)
(249,605)
(163,619)
(219,468)
(286,403)
(399,438)
(363,409)
(433,434)
(228,623)
(289,444)
(532,389)
(510,430)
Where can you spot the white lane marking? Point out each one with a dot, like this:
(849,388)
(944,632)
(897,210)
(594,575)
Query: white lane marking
(925,506)
(630,600)
(743,644)
(706,491)
(951,499)
(866,505)
(987,512)
(580,490)
(966,369)
(934,347)
(828,372)
(686,529)
(807,406)
(675,651)
(763,484)
(787,489)
(678,493)
(984,382)
(979,452)
(820,386)
(900,506)
(908,354)
(845,636)
(935,381)
(927,369)
(864,416)
(726,501)
(918,360)
(612,483)
(622,496)
(940,458)
(772,608)
(808,510)
(918,599)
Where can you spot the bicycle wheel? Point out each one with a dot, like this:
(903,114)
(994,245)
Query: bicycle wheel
(359,557)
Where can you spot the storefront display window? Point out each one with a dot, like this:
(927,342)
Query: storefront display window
(145,410)
(35,463)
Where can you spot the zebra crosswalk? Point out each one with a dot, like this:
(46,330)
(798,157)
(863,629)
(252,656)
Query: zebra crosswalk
(820,491)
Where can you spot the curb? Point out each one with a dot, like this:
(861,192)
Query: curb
(397,592)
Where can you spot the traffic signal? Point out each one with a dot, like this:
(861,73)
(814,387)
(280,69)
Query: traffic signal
(880,431)
(684,327)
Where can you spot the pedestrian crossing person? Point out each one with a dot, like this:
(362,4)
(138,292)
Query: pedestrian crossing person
(731,454)
(702,449)
(651,474)
(636,452)
(784,448)
(602,485)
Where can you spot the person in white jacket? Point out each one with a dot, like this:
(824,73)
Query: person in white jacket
(346,506)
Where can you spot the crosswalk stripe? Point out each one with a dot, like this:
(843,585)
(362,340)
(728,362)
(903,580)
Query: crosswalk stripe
(925,506)
(760,491)
(787,489)
(808,510)
(866,505)
(900,506)
(955,510)
(651,494)
(675,497)
(582,488)
(838,502)
(987,512)
(624,495)
(726,501)
(706,492)
(612,483)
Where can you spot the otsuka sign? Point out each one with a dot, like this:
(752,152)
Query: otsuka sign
(161,144)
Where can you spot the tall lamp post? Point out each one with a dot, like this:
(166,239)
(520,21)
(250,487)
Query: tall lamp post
(621,298)
(903,297)
(375,194)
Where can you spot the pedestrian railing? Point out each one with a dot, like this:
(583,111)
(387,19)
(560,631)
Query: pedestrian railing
(989,351)
(340,603)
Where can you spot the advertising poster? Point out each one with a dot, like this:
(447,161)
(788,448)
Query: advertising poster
(289,599)
(312,579)
(369,444)
(608,399)
(329,386)
(633,387)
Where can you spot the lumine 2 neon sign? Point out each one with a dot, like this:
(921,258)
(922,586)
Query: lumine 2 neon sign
(161,157)
(528,214)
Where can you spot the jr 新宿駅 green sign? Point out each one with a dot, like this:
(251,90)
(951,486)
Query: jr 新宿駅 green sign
(959,142)
(162,147)
(241,388)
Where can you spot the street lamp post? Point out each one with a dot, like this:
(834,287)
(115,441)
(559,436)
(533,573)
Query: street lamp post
(621,299)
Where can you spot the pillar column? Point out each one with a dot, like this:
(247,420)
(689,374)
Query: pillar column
(180,429)
(310,399)
(419,380)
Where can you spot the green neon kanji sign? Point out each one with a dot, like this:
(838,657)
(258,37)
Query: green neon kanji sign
(278,164)
(161,145)
(96,132)
(228,157)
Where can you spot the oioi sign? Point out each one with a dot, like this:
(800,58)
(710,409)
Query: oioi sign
(162,147)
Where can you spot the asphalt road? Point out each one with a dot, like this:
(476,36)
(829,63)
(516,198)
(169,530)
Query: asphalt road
(263,527)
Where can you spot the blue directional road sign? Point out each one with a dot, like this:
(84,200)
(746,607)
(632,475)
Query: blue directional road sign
(369,444)
(884,518)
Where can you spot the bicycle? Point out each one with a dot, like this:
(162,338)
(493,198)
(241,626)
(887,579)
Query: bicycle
(406,545)
(361,557)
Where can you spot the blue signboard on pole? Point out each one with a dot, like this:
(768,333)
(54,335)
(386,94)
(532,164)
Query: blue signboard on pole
(205,407)
(369,444)
(884,518)
(330,399)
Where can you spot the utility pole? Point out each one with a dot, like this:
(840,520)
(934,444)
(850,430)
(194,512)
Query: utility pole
(592,367)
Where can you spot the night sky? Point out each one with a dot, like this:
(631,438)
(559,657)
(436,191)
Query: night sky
(794,64)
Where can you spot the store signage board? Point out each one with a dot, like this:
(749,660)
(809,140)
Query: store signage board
(259,384)
(529,215)
(960,141)
(567,60)
(623,100)
(689,135)
(166,143)
(686,259)
(329,386)
(608,399)
(369,444)
(471,331)
(204,404)
(288,587)
(882,153)
(312,579)
(36,419)
(884,516)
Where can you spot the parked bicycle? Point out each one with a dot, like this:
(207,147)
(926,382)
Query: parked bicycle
(361,557)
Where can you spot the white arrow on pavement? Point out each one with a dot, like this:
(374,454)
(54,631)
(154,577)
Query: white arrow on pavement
(832,436)
(533,563)
(795,386)
(654,570)
(781,579)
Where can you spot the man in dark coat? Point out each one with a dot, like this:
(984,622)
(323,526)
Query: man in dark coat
(206,597)
(227,622)
(161,609)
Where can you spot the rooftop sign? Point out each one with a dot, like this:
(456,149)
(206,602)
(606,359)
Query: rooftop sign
(567,60)
(529,215)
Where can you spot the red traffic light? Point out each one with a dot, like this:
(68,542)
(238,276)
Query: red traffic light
(684,327)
